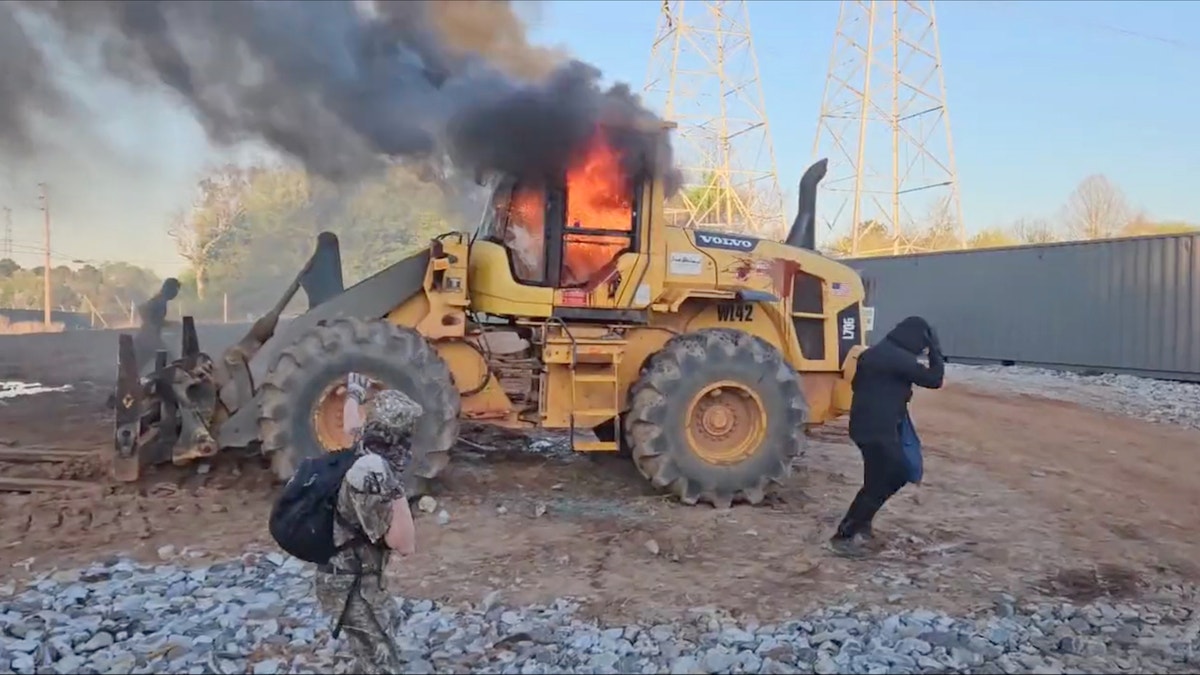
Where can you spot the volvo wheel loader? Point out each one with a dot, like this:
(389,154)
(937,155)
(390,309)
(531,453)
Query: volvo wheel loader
(702,354)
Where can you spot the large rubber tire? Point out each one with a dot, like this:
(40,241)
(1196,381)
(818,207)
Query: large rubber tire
(398,357)
(658,418)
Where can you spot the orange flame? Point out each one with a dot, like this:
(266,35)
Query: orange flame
(599,197)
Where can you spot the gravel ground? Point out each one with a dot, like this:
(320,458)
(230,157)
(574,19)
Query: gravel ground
(1154,400)
(257,614)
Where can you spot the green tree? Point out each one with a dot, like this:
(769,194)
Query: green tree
(200,230)
(109,290)
(389,219)
(282,210)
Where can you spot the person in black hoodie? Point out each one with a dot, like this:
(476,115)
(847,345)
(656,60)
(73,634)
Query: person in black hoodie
(153,312)
(882,389)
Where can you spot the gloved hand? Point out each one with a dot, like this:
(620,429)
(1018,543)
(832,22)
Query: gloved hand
(356,387)
(931,339)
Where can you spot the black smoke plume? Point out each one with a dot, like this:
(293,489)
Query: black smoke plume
(341,86)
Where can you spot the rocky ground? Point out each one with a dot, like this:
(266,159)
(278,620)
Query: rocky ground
(257,614)
(1154,400)
(1054,533)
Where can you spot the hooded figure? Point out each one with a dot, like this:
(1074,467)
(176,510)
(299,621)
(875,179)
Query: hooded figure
(882,388)
(372,521)
(153,313)
(387,431)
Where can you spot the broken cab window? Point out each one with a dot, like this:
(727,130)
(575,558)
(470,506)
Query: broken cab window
(496,216)
(524,233)
(585,255)
(600,217)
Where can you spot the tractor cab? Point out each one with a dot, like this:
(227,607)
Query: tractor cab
(571,248)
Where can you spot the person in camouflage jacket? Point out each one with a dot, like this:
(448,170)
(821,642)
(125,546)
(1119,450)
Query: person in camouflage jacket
(372,510)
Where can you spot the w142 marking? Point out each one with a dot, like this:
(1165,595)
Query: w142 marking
(735,312)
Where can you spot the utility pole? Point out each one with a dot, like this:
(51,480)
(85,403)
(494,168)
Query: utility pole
(704,74)
(886,86)
(46,299)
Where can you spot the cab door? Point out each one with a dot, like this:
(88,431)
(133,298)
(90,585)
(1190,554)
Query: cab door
(512,269)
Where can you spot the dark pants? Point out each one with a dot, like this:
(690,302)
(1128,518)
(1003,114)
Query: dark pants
(883,476)
(146,343)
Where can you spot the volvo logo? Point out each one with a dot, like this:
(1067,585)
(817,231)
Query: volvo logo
(725,241)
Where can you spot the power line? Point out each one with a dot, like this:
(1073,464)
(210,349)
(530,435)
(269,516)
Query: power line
(28,248)
(1019,10)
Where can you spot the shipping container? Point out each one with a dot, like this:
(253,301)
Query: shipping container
(1128,305)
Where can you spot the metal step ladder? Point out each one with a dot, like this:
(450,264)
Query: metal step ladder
(596,369)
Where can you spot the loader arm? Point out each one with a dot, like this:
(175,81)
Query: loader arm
(371,298)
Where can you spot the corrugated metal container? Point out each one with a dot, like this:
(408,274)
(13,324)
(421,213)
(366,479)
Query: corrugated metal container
(1121,305)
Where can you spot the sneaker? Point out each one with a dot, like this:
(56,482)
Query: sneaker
(850,547)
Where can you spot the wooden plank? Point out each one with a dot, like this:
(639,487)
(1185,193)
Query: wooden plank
(35,454)
(45,485)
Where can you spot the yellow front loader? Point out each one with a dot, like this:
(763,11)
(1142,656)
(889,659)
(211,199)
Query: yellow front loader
(704,355)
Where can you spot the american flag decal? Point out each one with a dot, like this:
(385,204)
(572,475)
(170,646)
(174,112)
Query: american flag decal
(838,288)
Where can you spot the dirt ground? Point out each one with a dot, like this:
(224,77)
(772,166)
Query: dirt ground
(1022,495)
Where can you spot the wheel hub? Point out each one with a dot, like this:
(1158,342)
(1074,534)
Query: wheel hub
(726,423)
(329,415)
(717,420)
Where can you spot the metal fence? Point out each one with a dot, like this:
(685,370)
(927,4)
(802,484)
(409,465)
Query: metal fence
(1121,305)
(69,320)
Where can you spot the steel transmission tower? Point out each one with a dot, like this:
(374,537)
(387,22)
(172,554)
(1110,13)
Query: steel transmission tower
(704,73)
(886,89)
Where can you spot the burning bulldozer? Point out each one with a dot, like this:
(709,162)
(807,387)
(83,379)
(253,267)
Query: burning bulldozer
(703,355)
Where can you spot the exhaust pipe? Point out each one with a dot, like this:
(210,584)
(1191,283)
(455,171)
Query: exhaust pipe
(804,232)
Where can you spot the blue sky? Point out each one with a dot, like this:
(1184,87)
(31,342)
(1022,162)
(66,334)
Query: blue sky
(1040,95)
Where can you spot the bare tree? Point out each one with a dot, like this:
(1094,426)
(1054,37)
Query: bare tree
(218,209)
(1096,209)
(1034,231)
(941,231)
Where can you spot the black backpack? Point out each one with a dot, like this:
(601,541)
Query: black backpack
(303,515)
